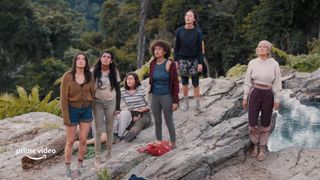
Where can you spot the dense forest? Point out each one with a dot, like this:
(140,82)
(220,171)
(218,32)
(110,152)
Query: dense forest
(38,38)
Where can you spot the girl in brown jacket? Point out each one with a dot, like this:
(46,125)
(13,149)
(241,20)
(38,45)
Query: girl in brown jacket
(76,95)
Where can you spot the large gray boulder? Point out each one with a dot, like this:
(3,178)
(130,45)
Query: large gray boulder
(306,86)
(209,144)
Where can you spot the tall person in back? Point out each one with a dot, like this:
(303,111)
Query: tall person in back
(76,95)
(188,56)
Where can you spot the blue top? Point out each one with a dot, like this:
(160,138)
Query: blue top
(188,44)
(161,79)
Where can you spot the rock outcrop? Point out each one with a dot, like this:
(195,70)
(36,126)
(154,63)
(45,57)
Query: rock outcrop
(210,145)
(306,86)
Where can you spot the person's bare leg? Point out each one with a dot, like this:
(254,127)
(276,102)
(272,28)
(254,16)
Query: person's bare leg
(84,130)
(197,97)
(71,135)
(103,139)
(196,92)
(185,91)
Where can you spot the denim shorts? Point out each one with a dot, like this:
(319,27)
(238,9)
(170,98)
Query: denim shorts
(78,115)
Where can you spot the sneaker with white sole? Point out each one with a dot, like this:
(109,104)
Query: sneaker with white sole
(184,107)
(68,174)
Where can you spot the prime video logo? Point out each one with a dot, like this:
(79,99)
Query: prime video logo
(29,152)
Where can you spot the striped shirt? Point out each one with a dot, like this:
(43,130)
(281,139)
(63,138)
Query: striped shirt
(135,100)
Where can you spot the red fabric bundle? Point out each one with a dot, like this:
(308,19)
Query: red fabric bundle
(156,149)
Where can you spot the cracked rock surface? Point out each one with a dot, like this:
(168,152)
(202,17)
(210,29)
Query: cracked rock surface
(210,145)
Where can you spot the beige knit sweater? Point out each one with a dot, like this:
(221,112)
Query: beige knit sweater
(265,72)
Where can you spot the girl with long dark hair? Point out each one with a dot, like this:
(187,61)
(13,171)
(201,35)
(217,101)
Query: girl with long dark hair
(76,95)
(107,100)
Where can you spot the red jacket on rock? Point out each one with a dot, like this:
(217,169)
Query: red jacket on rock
(173,82)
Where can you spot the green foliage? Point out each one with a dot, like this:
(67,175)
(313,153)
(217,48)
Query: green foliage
(119,21)
(91,40)
(30,32)
(237,71)
(20,40)
(280,55)
(104,174)
(12,105)
(282,22)
(305,63)
(124,60)
(143,71)
(60,26)
(90,10)
(39,38)
(44,74)
(314,46)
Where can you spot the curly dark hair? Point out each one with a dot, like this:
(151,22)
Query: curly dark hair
(161,43)
(87,73)
(136,79)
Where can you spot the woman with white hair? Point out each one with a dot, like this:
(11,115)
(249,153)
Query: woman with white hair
(262,88)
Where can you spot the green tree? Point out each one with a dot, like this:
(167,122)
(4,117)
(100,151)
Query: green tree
(20,40)
(44,74)
(288,24)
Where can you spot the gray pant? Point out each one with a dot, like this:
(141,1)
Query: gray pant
(123,120)
(104,110)
(138,126)
(159,104)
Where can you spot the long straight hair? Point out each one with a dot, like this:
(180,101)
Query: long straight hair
(87,73)
(113,71)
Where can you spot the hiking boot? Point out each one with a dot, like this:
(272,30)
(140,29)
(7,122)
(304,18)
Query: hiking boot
(173,145)
(116,140)
(80,170)
(68,174)
(130,136)
(199,108)
(108,156)
(185,106)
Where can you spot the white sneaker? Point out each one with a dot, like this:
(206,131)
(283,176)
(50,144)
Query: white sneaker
(80,170)
(184,107)
(68,174)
